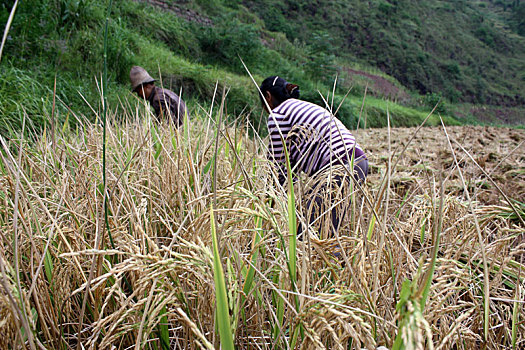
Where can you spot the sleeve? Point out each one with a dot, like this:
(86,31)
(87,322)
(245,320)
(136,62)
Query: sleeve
(168,105)
(156,104)
(159,104)
(178,110)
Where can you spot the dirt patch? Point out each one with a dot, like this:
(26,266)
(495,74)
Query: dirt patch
(179,11)
(503,115)
(498,152)
(380,86)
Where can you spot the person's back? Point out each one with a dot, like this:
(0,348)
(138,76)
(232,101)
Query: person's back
(314,137)
(169,105)
(316,140)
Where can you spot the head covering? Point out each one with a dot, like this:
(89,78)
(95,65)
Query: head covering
(139,76)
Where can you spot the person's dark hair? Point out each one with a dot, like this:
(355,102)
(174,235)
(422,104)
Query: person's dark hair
(143,85)
(280,89)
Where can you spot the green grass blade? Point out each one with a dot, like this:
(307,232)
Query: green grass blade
(292,227)
(157,142)
(292,223)
(223,315)
(164,334)
(48,267)
(371,227)
(280,316)
(515,316)
(208,165)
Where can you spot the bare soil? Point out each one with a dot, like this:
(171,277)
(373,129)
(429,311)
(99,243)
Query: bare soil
(492,160)
(380,86)
(182,12)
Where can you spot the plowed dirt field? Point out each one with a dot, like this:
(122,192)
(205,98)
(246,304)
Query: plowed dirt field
(491,160)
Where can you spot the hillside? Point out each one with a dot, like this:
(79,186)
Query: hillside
(192,45)
(467,51)
(461,49)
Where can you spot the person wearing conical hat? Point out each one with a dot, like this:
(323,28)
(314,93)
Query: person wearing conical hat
(166,103)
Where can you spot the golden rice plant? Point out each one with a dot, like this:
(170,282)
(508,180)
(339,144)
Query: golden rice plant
(159,287)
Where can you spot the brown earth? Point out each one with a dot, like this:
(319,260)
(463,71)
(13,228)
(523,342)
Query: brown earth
(499,114)
(178,10)
(380,86)
(492,160)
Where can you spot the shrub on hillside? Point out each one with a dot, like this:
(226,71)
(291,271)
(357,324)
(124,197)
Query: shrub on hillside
(518,19)
(321,63)
(437,100)
(229,39)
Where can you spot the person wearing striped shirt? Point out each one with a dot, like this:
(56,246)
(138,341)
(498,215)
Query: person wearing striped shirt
(315,139)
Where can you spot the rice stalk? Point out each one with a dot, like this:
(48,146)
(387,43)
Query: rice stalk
(160,199)
(519,214)
(435,249)
(361,110)
(486,290)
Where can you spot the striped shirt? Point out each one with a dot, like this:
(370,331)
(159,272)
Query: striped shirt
(313,136)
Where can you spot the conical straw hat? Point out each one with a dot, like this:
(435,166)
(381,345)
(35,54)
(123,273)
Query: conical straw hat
(139,76)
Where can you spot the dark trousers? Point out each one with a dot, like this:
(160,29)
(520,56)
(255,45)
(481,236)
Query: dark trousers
(321,199)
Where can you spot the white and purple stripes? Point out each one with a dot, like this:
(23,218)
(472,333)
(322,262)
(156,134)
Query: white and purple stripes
(314,138)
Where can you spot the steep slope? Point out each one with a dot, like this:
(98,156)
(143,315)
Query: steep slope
(458,48)
(192,44)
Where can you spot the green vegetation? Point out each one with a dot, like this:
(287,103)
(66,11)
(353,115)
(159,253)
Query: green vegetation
(193,45)
(456,47)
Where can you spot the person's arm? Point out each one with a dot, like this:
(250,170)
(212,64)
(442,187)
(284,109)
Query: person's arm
(158,103)
(168,105)
(179,111)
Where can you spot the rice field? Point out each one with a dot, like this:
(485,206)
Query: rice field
(196,246)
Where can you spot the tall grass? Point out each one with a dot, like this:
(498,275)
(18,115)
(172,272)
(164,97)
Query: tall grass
(161,282)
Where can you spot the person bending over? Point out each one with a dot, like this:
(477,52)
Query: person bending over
(316,142)
(166,103)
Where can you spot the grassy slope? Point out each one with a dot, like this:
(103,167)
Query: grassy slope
(65,39)
(462,49)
